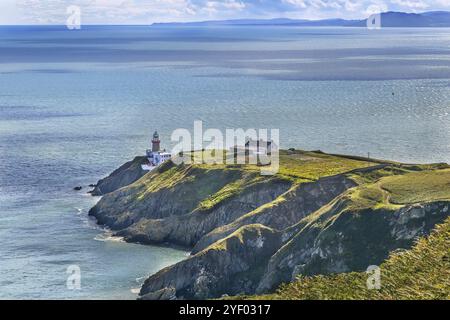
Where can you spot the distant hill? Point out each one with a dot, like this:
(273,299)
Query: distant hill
(435,19)
(427,19)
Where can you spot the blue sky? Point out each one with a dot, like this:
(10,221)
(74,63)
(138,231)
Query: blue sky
(149,11)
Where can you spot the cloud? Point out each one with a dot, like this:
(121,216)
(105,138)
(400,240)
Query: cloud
(412,4)
(148,11)
(105,11)
(215,7)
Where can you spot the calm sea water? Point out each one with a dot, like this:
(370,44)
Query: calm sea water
(74,105)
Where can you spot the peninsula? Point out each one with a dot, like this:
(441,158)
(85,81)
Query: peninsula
(248,234)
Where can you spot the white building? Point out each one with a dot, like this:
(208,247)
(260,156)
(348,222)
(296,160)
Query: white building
(259,147)
(154,155)
(254,151)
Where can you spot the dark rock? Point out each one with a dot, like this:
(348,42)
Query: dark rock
(339,240)
(232,266)
(124,176)
(163,294)
(78,188)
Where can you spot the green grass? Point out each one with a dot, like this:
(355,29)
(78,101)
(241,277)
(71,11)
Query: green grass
(420,273)
(298,165)
(410,187)
(252,231)
(230,190)
(418,187)
(313,166)
(165,180)
(202,181)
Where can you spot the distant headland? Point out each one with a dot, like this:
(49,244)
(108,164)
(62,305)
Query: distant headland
(432,19)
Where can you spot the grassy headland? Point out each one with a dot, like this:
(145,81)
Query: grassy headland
(322,217)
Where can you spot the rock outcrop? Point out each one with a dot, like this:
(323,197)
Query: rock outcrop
(229,267)
(123,176)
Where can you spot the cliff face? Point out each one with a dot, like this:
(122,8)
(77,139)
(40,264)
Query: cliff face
(187,229)
(421,273)
(300,201)
(332,241)
(230,266)
(248,233)
(179,205)
(338,241)
(123,176)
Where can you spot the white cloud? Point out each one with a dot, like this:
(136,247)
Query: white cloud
(9,13)
(148,11)
(297,3)
(107,11)
(412,4)
(214,7)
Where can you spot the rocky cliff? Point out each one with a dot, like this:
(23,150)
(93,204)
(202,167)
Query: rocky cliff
(420,273)
(123,176)
(248,233)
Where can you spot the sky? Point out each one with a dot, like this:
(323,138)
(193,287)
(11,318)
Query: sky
(150,11)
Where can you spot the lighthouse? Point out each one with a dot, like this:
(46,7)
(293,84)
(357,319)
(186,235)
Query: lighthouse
(156,143)
(154,155)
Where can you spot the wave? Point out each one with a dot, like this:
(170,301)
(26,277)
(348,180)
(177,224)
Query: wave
(108,236)
(135,290)
(141,279)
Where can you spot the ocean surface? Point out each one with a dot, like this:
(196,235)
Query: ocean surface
(74,105)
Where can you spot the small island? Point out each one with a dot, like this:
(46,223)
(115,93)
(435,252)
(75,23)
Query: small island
(322,214)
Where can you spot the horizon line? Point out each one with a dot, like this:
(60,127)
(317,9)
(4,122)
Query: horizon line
(225,20)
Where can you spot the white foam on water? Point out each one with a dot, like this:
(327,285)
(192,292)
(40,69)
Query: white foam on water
(108,236)
(140,279)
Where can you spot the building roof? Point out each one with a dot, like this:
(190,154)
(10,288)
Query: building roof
(259,142)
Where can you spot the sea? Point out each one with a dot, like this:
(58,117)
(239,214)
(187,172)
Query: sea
(76,104)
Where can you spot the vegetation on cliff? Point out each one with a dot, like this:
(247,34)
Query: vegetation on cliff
(422,272)
(297,165)
(363,225)
(403,185)
(320,214)
(122,177)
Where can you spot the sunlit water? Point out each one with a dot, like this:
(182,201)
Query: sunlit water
(74,105)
